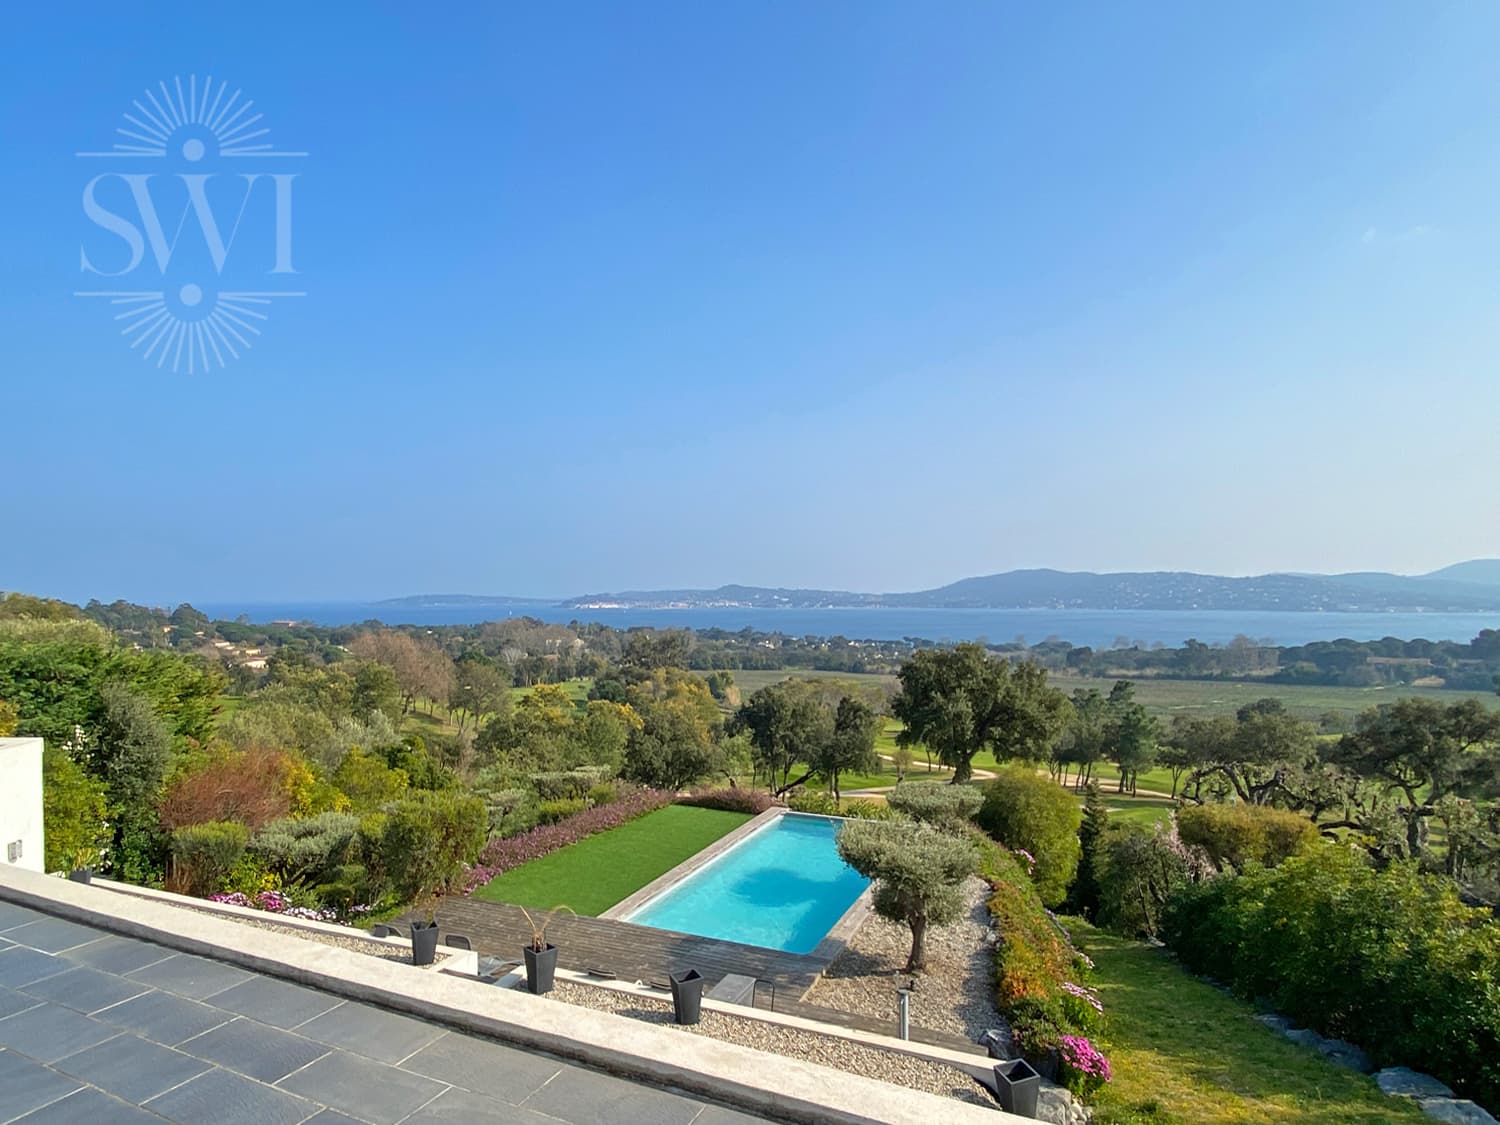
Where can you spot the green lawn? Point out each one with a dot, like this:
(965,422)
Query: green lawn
(1138,810)
(1166,698)
(1184,1053)
(594,874)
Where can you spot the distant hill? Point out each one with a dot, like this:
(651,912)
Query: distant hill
(1471,587)
(1479,572)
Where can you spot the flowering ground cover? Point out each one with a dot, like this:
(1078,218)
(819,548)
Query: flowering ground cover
(592,875)
(1184,1053)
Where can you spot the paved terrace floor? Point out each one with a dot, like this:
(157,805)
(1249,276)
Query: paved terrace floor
(103,1028)
(622,949)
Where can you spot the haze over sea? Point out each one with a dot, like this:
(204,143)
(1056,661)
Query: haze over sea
(1078,626)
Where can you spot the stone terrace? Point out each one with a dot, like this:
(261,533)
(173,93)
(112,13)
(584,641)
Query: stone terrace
(101,1027)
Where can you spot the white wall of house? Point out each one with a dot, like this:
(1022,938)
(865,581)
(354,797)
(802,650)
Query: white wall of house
(21,803)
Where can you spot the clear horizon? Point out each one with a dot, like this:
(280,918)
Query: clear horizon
(836,297)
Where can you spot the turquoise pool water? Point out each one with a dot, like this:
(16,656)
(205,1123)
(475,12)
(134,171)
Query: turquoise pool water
(782,887)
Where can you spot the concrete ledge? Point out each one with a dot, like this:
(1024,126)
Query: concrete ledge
(926,1051)
(783,1088)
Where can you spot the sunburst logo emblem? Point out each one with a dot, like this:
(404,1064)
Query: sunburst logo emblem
(195,201)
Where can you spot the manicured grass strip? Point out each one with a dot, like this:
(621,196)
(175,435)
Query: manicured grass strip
(1185,1053)
(594,874)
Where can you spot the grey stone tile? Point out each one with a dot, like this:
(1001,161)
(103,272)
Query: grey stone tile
(719,1115)
(484,1067)
(370,1031)
(25,1085)
(116,954)
(91,1106)
(275,1002)
(193,977)
(52,935)
(229,1099)
(132,1068)
(333,1117)
(20,967)
(458,1107)
(12,915)
(255,1050)
(49,1032)
(12,1002)
(589,1098)
(84,989)
(364,1088)
(165,1018)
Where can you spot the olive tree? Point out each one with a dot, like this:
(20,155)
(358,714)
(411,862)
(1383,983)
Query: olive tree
(917,871)
(937,803)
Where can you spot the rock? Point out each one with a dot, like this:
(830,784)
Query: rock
(1055,1104)
(1346,1055)
(1403,1082)
(1275,1022)
(1455,1111)
(998,1042)
(1335,1050)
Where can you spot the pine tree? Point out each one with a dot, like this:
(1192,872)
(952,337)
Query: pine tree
(1083,897)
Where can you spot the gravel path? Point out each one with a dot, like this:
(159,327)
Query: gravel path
(903,1070)
(955,994)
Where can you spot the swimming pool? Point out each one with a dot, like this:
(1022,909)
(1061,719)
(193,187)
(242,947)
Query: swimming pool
(782,887)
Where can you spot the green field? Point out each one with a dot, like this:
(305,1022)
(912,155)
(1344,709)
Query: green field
(1185,1053)
(750,681)
(592,875)
(1166,698)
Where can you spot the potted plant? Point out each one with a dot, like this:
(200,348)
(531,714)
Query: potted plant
(424,935)
(83,865)
(541,955)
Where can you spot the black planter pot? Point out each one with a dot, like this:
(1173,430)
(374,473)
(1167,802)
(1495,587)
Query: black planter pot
(687,996)
(82,875)
(1016,1086)
(540,967)
(424,939)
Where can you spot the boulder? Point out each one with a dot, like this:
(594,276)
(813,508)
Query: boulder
(1346,1055)
(1403,1082)
(1455,1111)
(1335,1050)
(1055,1104)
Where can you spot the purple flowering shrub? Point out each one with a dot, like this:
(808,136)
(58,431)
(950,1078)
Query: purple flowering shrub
(1082,1067)
(500,855)
(751,801)
(276,902)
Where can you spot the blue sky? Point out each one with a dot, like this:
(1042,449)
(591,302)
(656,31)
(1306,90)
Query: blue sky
(872,296)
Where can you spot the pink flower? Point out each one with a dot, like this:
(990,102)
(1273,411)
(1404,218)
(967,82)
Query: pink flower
(1081,1055)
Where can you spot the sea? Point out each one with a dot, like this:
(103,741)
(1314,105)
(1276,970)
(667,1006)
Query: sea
(1097,628)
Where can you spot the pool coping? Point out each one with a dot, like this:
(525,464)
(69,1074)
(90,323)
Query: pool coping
(833,942)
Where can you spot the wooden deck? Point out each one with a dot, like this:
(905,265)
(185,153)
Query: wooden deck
(622,949)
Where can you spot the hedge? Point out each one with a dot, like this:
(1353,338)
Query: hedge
(500,855)
(752,801)
(1389,959)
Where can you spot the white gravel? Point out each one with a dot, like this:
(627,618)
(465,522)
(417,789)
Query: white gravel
(828,1050)
(354,941)
(956,993)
